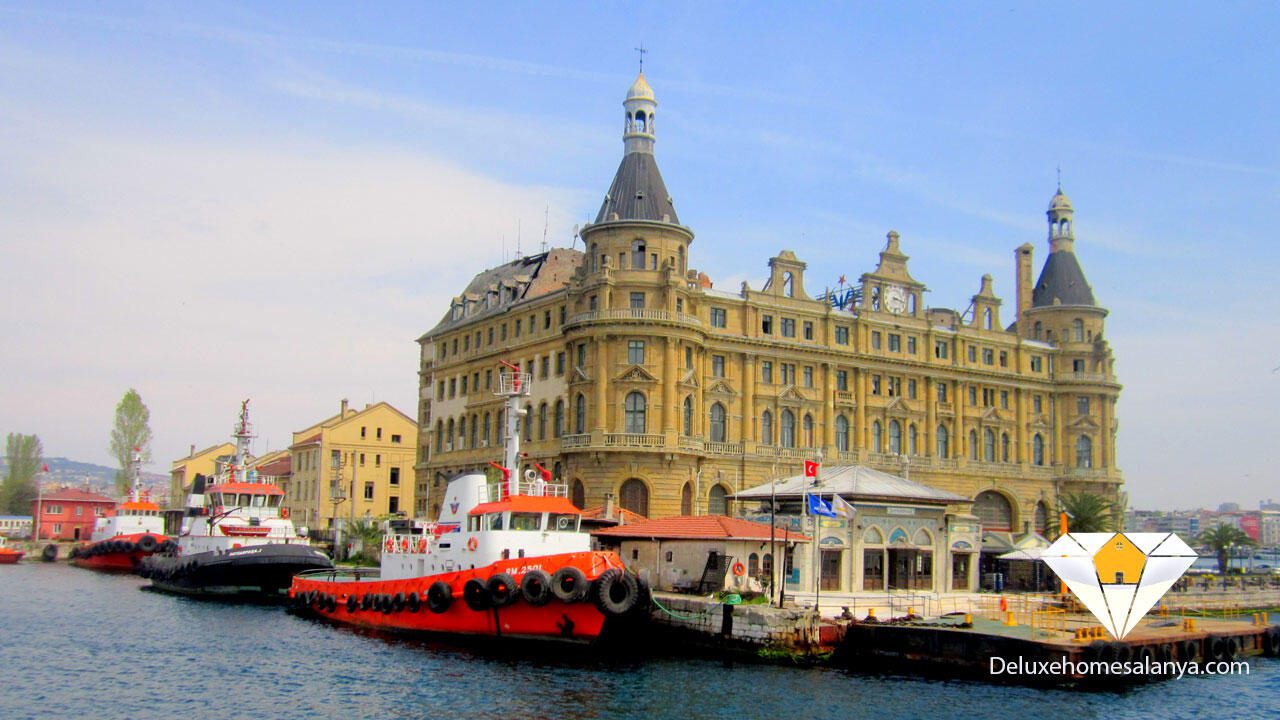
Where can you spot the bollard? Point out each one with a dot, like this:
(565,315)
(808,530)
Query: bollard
(1008,619)
(911,613)
(871,612)
(1004,604)
(968,619)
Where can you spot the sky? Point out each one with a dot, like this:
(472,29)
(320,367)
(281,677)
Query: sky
(219,201)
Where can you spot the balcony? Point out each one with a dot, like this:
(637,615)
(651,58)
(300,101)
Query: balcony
(638,315)
(633,440)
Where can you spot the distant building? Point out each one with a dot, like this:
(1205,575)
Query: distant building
(1229,507)
(69,514)
(15,526)
(184,470)
(1269,528)
(356,464)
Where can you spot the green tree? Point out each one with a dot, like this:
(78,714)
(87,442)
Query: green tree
(365,537)
(1221,539)
(131,429)
(23,456)
(1088,513)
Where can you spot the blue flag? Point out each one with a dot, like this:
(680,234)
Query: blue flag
(818,506)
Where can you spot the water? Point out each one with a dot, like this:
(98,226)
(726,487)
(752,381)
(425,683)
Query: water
(77,644)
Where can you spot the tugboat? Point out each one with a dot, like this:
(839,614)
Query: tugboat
(235,541)
(505,559)
(135,531)
(9,556)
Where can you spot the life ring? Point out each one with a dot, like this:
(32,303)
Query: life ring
(390,545)
(739,569)
(472,544)
(422,545)
(284,513)
(404,544)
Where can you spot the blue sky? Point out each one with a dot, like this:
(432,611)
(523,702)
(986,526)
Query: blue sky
(273,200)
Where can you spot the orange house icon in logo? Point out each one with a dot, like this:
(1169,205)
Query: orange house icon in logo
(1119,562)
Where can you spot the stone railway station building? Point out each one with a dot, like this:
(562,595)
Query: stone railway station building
(655,389)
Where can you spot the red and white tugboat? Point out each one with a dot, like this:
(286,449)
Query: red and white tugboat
(505,559)
(119,542)
(8,555)
(234,540)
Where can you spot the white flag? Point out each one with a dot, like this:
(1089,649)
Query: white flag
(841,507)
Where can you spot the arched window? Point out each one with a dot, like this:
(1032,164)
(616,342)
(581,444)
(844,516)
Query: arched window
(895,437)
(717,423)
(595,253)
(1039,329)
(766,428)
(580,414)
(944,442)
(1041,520)
(912,440)
(640,125)
(542,421)
(986,318)
(808,430)
(635,411)
(439,436)
(842,433)
(753,565)
(579,494)
(877,439)
(1077,330)
(486,437)
(1084,452)
(686,499)
(787,437)
(716,500)
(475,431)
(558,426)
(688,415)
(527,421)
(462,432)
(988,445)
(1037,449)
(1004,447)
(555,472)
(788,285)
(634,496)
(973,444)
(993,511)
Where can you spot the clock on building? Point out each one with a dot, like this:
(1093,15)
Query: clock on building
(895,299)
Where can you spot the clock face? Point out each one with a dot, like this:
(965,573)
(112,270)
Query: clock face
(895,299)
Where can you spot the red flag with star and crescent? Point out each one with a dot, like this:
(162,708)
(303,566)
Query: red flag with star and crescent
(810,469)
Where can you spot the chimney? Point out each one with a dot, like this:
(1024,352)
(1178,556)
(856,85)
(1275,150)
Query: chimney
(1023,267)
(344,408)
(608,506)
(193,450)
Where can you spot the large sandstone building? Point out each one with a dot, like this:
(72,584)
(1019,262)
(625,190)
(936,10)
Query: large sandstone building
(668,394)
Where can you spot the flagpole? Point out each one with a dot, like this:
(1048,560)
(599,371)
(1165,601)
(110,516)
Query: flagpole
(773,533)
(817,550)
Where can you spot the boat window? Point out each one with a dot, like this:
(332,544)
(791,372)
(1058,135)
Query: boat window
(495,521)
(259,501)
(273,501)
(526,521)
(563,522)
(473,523)
(245,500)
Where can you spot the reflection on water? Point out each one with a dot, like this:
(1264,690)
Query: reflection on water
(95,646)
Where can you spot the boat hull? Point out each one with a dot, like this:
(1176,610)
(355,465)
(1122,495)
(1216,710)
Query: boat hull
(122,553)
(261,572)
(347,601)
(10,557)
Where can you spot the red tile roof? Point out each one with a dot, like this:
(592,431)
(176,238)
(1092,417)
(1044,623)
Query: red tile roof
(283,466)
(702,527)
(626,517)
(74,495)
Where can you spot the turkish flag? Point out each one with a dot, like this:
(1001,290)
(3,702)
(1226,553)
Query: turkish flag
(810,469)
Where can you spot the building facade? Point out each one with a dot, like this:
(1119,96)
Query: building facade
(655,388)
(182,472)
(356,464)
(69,514)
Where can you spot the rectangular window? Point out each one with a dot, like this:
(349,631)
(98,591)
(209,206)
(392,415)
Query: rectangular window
(582,355)
(466,343)
(395,476)
(440,393)
(546,320)
(788,373)
(378,434)
(637,301)
(988,356)
(1077,366)
(368,491)
(563,311)
(490,337)
(894,387)
(911,346)
(488,379)
(502,331)
(875,384)
(973,354)
(463,390)
(940,350)
(1037,403)
(591,303)
(842,336)
(364,430)
(545,370)
(942,392)
(911,389)
(895,342)
(475,382)
(517,326)
(973,394)
(875,339)
(842,380)
(808,330)
(688,357)
(559,364)
(1082,405)
(808,376)
(635,352)
(533,319)
(377,460)
(766,372)
(717,366)
(788,327)
(395,439)
(1004,359)
(766,324)
(453,387)
(1037,363)
(361,459)
(1004,399)
(719,318)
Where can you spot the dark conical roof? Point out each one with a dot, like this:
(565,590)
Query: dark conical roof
(1062,282)
(637,192)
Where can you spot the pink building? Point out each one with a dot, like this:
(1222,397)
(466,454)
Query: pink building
(69,514)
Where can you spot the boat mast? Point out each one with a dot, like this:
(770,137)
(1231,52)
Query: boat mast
(135,469)
(513,385)
(243,433)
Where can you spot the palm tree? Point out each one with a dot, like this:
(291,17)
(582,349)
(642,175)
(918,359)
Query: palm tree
(366,534)
(1221,539)
(1088,512)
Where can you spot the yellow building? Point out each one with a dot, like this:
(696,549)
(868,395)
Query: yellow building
(656,388)
(184,470)
(356,464)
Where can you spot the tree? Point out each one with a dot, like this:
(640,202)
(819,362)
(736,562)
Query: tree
(131,430)
(1088,513)
(365,537)
(23,457)
(1221,539)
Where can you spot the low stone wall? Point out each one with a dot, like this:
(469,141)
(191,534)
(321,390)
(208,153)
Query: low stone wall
(757,626)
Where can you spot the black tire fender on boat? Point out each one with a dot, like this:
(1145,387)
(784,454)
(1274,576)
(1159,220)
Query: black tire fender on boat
(569,584)
(75,553)
(413,603)
(352,603)
(535,586)
(1097,650)
(49,553)
(476,595)
(366,601)
(616,592)
(1233,648)
(387,605)
(502,589)
(1123,651)
(1215,647)
(1271,642)
(439,597)
(397,602)
(147,543)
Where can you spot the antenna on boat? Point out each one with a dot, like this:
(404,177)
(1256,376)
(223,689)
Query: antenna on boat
(243,433)
(512,385)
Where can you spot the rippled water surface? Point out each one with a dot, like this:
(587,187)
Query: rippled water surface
(78,644)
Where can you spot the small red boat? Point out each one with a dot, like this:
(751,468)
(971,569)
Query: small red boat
(506,559)
(9,556)
(121,541)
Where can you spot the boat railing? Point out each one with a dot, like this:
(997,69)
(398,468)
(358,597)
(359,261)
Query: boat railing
(404,543)
(537,488)
(341,573)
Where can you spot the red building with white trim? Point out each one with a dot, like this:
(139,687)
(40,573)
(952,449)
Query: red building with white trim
(69,514)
